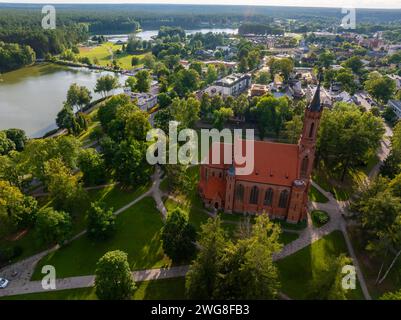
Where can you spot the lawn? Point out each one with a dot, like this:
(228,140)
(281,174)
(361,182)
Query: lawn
(190,202)
(146,290)
(138,234)
(330,180)
(370,267)
(316,196)
(103,53)
(298,270)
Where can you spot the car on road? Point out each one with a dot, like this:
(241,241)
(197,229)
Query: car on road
(3,283)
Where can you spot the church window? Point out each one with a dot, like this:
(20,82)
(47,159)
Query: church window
(239,193)
(283,199)
(254,195)
(268,197)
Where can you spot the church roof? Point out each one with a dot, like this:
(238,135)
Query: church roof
(274,163)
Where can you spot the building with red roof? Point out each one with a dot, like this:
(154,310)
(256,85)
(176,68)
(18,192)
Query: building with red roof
(280,179)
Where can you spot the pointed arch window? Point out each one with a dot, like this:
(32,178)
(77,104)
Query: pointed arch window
(311,129)
(304,166)
(253,199)
(283,199)
(268,197)
(239,193)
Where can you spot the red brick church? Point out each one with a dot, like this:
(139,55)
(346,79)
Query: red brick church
(280,179)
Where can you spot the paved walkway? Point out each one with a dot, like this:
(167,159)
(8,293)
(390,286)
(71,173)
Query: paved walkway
(88,281)
(25,268)
(310,234)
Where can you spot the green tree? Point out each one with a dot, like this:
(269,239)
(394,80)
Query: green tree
(293,129)
(178,236)
(16,210)
(66,120)
(105,84)
(135,61)
(247,270)
(326,58)
(143,81)
(346,136)
(185,111)
(380,87)
(78,96)
(92,166)
(186,81)
(221,116)
(197,66)
(164,100)
(211,74)
(129,163)
(113,278)
(17,136)
(270,114)
(101,221)
(131,83)
(6,145)
(201,279)
(63,186)
(354,63)
(327,283)
(263,78)
(53,226)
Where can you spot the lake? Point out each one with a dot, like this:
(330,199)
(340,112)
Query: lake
(148,34)
(31,97)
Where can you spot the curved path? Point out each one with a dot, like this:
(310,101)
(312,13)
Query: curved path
(20,272)
(22,284)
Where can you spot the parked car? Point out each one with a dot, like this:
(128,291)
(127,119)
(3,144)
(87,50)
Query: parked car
(3,283)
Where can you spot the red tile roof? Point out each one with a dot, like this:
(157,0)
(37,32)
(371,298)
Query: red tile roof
(274,163)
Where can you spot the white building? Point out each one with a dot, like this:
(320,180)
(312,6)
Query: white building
(396,106)
(145,101)
(232,85)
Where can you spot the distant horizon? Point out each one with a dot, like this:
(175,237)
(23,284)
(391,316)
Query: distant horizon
(333,4)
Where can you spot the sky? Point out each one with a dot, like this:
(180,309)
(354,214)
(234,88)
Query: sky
(385,4)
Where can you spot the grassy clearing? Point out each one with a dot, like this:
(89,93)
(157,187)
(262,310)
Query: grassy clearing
(298,270)
(190,202)
(138,234)
(330,180)
(370,267)
(147,290)
(316,196)
(104,54)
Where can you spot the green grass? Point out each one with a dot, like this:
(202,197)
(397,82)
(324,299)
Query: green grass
(146,290)
(371,265)
(138,234)
(287,237)
(103,54)
(113,196)
(298,270)
(316,196)
(190,201)
(330,181)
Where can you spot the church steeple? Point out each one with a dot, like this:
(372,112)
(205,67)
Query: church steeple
(315,105)
(307,141)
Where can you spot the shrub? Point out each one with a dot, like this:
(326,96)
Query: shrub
(320,218)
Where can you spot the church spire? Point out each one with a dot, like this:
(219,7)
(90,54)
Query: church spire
(315,105)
